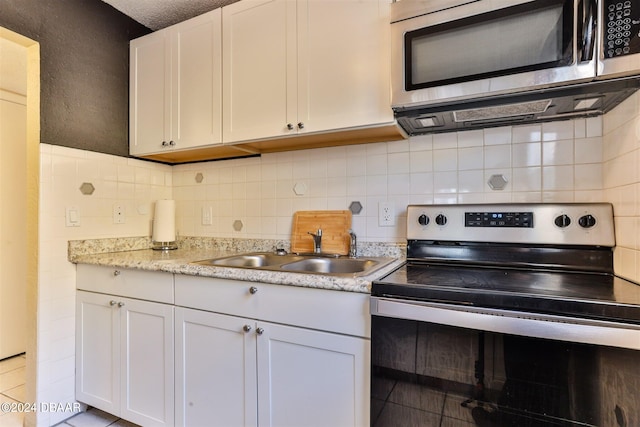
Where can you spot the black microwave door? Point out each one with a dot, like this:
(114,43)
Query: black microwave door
(527,37)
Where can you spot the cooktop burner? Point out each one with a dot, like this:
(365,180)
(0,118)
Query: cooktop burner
(575,294)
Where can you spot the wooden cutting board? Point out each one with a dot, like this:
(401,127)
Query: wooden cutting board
(335,227)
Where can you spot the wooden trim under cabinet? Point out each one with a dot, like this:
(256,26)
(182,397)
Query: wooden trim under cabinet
(382,133)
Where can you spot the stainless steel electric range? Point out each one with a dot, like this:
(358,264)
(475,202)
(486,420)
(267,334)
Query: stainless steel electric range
(513,310)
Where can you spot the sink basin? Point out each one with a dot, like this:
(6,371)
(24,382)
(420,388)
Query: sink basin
(330,265)
(305,263)
(252,260)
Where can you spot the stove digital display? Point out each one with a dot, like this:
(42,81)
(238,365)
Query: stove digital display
(498,219)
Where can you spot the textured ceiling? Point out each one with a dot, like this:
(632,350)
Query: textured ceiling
(157,14)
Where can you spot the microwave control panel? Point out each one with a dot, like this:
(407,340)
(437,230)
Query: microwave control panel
(621,27)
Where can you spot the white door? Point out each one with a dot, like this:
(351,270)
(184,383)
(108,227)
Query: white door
(98,351)
(149,96)
(259,71)
(215,370)
(147,362)
(197,81)
(13,224)
(343,64)
(308,378)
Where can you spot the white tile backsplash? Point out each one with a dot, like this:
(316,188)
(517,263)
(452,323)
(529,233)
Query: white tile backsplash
(621,182)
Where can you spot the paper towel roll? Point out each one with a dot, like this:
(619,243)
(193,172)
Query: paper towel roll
(164,221)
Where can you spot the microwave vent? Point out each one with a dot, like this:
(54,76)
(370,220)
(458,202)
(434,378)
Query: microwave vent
(502,111)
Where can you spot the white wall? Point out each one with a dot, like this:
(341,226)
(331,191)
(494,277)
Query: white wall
(621,175)
(133,183)
(559,161)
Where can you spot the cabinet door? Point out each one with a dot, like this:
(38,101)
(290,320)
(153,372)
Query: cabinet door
(343,60)
(310,378)
(98,351)
(196,50)
(215,370)
(259,71)
(147,360)
(149,97)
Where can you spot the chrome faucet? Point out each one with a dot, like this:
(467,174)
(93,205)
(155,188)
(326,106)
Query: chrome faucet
(353,245)
(317,241)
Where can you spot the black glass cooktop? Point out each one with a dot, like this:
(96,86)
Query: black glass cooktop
(598,296)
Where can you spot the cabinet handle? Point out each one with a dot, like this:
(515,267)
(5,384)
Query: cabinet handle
(172,143)
(246,328)
(259,331)
(300,125)
(112,303)
(253,290)
(165,143)
(116,272)
(121,304)
(289,126)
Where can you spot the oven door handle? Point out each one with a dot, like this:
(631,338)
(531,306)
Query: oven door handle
(511,322)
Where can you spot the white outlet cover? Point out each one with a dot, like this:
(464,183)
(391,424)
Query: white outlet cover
(118,214)
(207,215)
(386,214)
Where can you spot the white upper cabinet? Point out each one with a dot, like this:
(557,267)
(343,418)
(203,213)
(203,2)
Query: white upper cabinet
(343,64)
(304,66)
(175,93)
(259,69)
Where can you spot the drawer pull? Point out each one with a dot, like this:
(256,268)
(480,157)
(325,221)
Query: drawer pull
(259,331)
(116,272)
(253,290)
(112,303)
(246,328)
(120,304)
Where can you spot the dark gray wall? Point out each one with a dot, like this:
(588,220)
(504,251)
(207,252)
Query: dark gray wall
(84,69)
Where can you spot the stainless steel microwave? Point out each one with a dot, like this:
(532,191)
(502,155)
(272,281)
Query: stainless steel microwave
(447,51)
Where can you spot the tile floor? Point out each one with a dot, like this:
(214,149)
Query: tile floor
(12,388)
(12,378)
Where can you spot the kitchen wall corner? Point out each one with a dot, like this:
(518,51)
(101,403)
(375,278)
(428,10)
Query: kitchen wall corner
(621,175)
(132,183)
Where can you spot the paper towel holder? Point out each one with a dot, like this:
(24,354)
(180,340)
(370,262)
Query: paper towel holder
(164,233)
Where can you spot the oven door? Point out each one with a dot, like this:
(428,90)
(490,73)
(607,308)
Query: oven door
(435,364)
(484,48)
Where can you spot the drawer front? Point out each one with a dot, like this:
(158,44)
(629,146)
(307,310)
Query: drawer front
(326,310)
(147,285)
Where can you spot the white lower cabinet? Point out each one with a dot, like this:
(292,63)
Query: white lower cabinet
(240,372)
(124,357)
(311,378)
(159,349)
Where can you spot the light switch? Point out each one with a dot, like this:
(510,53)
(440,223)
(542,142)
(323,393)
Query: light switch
(72,216)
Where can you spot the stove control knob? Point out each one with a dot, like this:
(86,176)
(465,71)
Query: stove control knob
(423,220)
(441,219)
(587,221)
(562,221)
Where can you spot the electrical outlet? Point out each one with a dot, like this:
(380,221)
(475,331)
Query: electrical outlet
(386,214)
(207,215)
(118,214)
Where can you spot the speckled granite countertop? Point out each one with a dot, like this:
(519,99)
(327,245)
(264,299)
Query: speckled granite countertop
(133,253)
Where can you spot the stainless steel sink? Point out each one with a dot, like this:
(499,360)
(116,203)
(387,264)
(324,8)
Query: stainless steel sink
(251,260)
(307,263)
(330,265)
